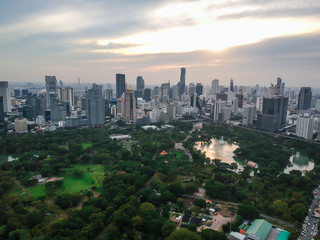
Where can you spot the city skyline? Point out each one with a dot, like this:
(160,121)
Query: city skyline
(249,42)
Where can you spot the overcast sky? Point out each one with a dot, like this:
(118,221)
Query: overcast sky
(251,41)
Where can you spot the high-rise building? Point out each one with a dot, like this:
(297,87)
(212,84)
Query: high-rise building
(147,94)
(305,127)
(249,113)
(95,105)
(235,105)
(140,83)
(240,99)
(317,107)
(304,98)
(171,110)
(51,89)
(192,89)
(231,85)
(58,111)
(120,84)
(215,86)
(218,105)
(199,89)
(274,113)
(1,114)
(182,83)
(108,94)
(5,94)
(175,92)
(130,111)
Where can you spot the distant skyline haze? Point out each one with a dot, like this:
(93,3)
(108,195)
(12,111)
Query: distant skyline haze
(252,42)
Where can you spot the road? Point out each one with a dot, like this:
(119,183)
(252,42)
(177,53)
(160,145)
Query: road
(310,225)
(181,147)
(236,204)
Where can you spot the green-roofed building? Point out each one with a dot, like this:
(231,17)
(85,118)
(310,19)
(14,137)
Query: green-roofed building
(283,235)
(259,229)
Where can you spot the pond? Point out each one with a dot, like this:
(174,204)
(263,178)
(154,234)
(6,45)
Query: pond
(301,162)
(221,149)
(218,149)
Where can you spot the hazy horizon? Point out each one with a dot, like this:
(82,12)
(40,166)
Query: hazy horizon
(250,42)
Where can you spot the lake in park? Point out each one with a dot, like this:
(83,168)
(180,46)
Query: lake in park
(221,149)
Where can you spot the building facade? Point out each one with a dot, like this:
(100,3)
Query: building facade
(95,105)
(120,84)
(304,98)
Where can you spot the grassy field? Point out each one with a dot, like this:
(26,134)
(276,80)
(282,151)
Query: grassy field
(37,191)
(93,177)
(85,145)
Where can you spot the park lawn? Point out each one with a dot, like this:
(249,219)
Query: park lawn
(37,191)
(85,145)
(73,185)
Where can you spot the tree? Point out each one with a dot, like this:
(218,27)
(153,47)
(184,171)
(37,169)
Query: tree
(248,211)
(209,234)
(183,234)
(148,210)
(200,203)
(20,234)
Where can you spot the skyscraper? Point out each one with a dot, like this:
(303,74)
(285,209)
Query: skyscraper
(147,94)
(5,94)
(249,112)
(1,114)
(304,98)
(305,127)
(199,89)
(182,83)
(274,113)
(215,86)
(120,84)
(130,111)
(51,89)
(231,85)
(140,83)
(95,105)
(218,105)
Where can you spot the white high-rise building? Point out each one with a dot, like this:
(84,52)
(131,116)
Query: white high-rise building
(218,105)
(5,94)
(249,113)
(215,86)
(235,105)
(40,121)
(305,127)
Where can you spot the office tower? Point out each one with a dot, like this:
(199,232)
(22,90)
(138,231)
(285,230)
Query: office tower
(249,113)
(240,99)
(21,124)
(304,98)
(175,92)
(182,83)
(95,105)
(274,113)
(5,94)
(17,92)
(282,87)
(279,81)
(165,90)
(231,85)
(1,114)
(274,90)
(225,114)
(40,120)
(218,105)
(305,127)
(69,95)
(24,92)
(147,94)
(140,83)
(317,107)
(120,84)
(58,111)
(215,86)
(195,100)
(108,94)
(235,105)
(156,93)
(199,89)
(51,89)
(192,89)
(130,111)
(171,110)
